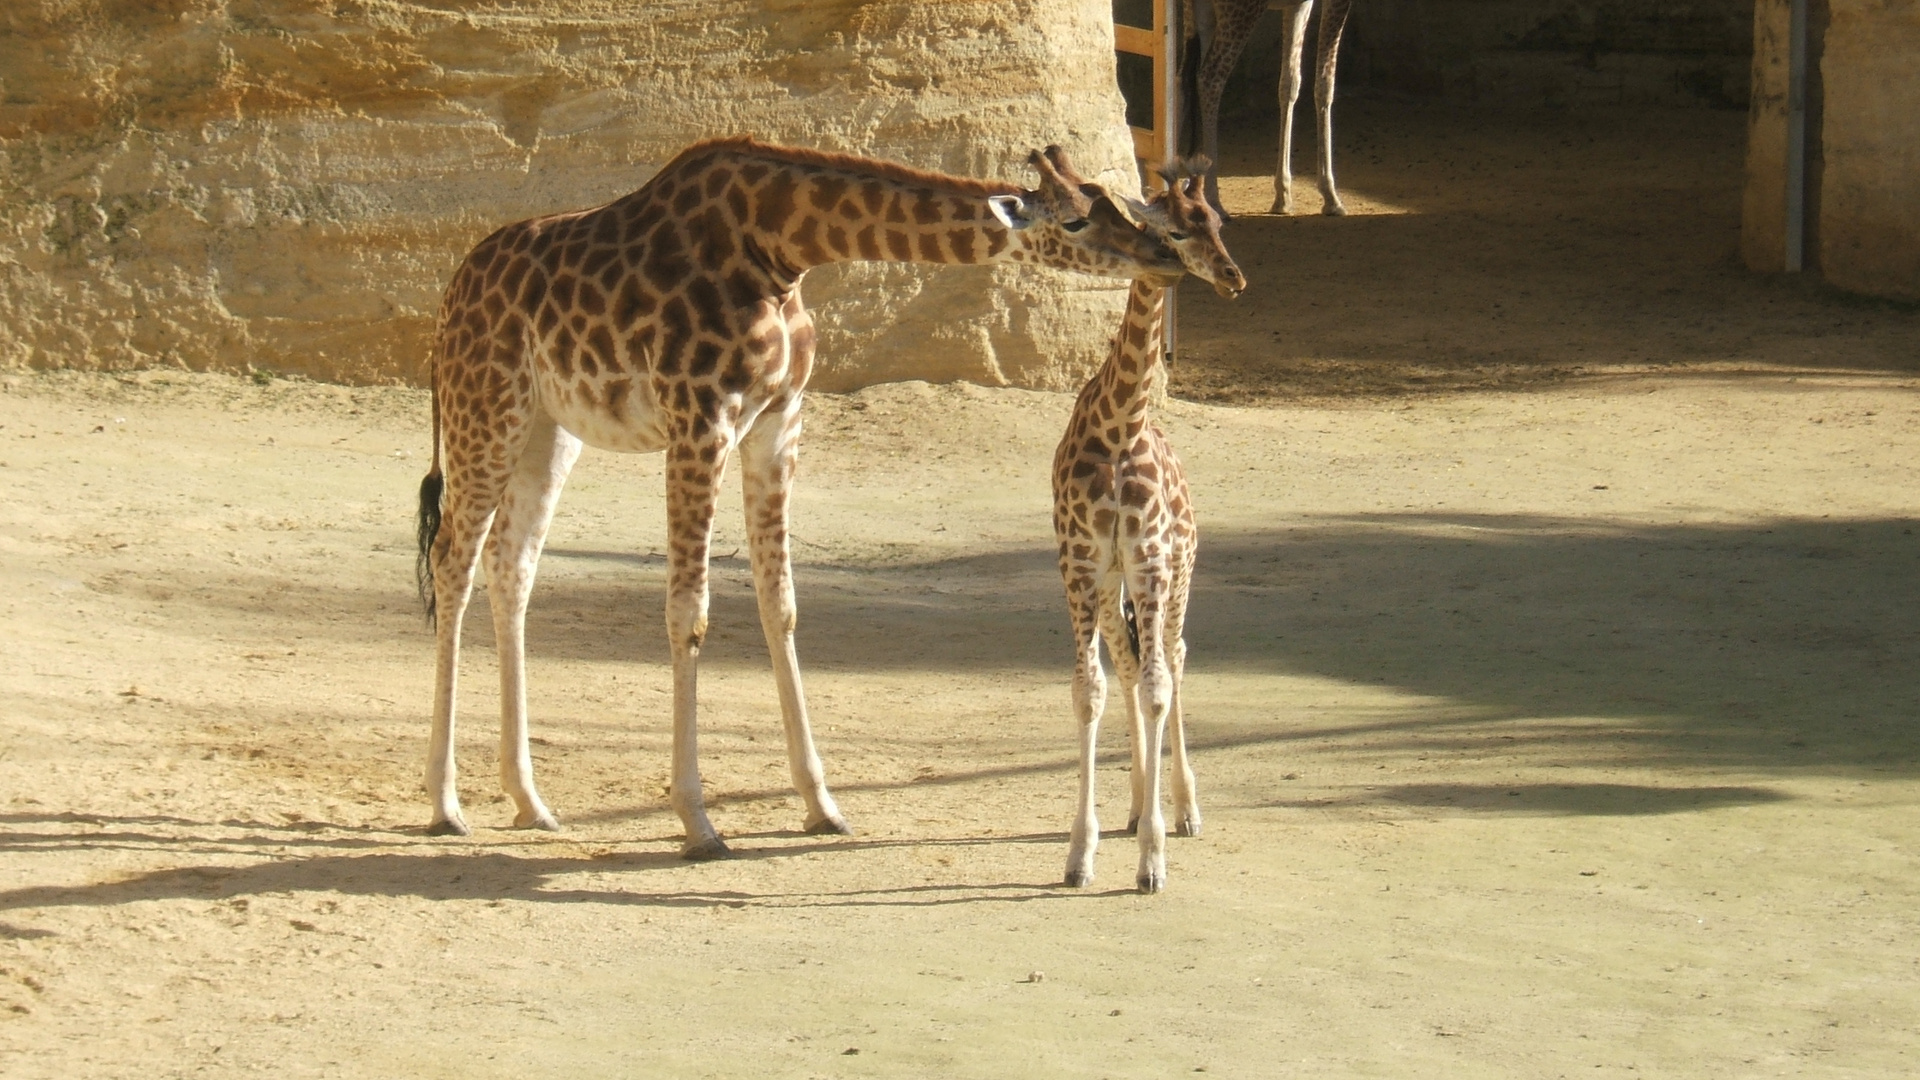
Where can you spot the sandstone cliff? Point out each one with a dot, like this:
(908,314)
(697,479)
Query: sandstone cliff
(287,184)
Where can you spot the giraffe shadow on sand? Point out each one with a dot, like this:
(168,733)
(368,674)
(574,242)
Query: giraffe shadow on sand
(514,869)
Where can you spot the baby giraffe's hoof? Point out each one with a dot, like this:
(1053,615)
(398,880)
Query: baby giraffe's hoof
(830,826)
(544,821)
(452,826)
(705,850)
(1187,827)
(1079,879)
(1151,883)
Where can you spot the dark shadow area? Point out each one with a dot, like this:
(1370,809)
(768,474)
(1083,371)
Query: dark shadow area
(1781,646)
(1550,800)
(1787,646)
(1530,247)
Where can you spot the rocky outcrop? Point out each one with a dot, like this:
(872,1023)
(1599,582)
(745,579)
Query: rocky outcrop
(287,184)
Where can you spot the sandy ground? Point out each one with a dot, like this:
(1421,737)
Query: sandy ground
(1558,724)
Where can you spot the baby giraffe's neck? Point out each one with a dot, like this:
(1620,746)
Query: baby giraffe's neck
(1136,370)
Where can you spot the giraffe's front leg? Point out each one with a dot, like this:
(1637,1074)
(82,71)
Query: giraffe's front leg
(1089,701)
(767,457)
(693,476)
(1156,699)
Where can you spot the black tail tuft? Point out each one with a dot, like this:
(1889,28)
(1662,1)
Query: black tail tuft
(1133,626)
(429,528)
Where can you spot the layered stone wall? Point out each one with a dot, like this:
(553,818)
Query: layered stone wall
(286,184)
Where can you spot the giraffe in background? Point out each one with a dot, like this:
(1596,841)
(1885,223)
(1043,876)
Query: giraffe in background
(1224,27)
(1124,523)
(670,320)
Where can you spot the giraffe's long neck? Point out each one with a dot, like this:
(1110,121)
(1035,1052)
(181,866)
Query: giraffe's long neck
(807,216)
(1136,370)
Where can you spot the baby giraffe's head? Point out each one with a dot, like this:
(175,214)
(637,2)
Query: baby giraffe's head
(1181,218)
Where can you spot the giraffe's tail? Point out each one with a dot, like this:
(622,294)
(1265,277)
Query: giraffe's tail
(1133,625)
(428,526)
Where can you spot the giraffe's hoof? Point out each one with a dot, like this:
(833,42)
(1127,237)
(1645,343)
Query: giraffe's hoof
(1334,209)
(705,850)
(543,820)
(830,826)
(1150,883)
(1187,826)
(1079,879)
(1279,209)
(451,826)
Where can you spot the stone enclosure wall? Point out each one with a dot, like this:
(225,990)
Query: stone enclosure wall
(1863,144)
(287,184)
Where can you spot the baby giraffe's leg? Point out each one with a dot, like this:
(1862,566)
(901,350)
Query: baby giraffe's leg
(1089,701)
(512,555)
(1155,699)
(1123,650)
(1186,798)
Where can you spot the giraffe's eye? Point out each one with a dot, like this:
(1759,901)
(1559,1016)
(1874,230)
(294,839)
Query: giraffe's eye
(1176,236)
(1075,226)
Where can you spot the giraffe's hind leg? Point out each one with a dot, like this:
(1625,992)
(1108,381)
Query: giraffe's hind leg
(767,458)
(512,556)
(455,553)
(1186,798)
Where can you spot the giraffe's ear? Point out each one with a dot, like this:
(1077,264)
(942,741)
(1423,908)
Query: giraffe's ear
(1010,210)
(1135,211)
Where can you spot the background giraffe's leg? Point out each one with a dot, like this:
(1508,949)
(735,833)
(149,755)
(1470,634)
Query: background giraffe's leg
(1089,701)
(1186,797)
(767,456)
(1223,34)
(467,516)
(1126,669)
(1333,20)
(1293,38)
(693,480)
(512,556)
(1147,585)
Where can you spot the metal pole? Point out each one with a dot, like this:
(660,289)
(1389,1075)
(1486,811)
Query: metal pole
(1796,239)
(1172,49)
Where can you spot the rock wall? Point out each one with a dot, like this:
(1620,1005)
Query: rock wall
(287,184)
(1869,193)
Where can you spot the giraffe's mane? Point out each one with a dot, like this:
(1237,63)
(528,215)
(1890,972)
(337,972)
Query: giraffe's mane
(886,170)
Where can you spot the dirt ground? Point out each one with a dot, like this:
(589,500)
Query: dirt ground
(1552,681)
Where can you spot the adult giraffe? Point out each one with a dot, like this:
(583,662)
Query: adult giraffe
(1224,27)
(670,320)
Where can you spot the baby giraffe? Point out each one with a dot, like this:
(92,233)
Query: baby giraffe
(1125,527)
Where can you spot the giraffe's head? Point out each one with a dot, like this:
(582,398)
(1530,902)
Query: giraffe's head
(1071,224)
(1190,226)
